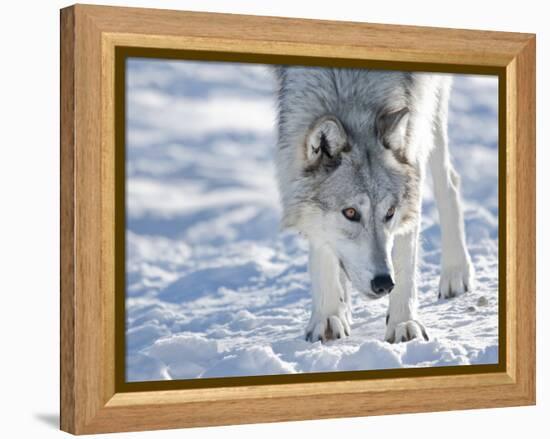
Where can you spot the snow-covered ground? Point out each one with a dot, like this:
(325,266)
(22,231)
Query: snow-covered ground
(215,289)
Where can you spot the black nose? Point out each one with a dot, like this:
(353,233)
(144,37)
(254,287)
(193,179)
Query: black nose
(382,284)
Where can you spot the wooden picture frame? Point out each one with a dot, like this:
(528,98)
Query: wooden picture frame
(91,397)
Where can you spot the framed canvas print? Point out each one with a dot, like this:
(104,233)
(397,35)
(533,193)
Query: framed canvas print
(267,219)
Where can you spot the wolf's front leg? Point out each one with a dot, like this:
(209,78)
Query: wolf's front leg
(402,323)
(457,271)
(330,314)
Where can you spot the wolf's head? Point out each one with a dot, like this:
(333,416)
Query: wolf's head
(349,182)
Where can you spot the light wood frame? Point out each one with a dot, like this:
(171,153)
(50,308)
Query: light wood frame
(89,38)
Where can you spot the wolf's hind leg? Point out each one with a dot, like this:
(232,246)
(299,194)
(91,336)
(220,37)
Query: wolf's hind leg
(330,314)
(402,323)
(457,272)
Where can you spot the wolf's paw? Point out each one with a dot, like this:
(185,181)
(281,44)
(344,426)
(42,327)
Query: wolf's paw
(324,328)
(456,280)
(405,331)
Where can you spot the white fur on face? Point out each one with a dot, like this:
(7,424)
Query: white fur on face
(364,247)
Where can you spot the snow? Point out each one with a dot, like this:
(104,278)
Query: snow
(214,288)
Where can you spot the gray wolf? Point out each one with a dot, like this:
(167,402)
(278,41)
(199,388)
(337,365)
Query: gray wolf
(353,148)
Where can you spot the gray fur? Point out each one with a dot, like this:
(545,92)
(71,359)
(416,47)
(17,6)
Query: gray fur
(360,139)
(357,98)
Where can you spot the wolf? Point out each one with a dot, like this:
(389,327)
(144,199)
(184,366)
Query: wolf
(353,148)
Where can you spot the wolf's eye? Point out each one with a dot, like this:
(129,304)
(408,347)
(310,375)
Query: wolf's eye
(390,213)
(351,214)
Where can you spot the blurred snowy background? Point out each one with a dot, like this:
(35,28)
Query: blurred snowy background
(215,289)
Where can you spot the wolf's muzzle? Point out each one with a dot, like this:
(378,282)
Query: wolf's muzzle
(382,284)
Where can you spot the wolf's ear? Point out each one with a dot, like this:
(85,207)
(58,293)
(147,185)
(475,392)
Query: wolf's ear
(327,138)
(391,127)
